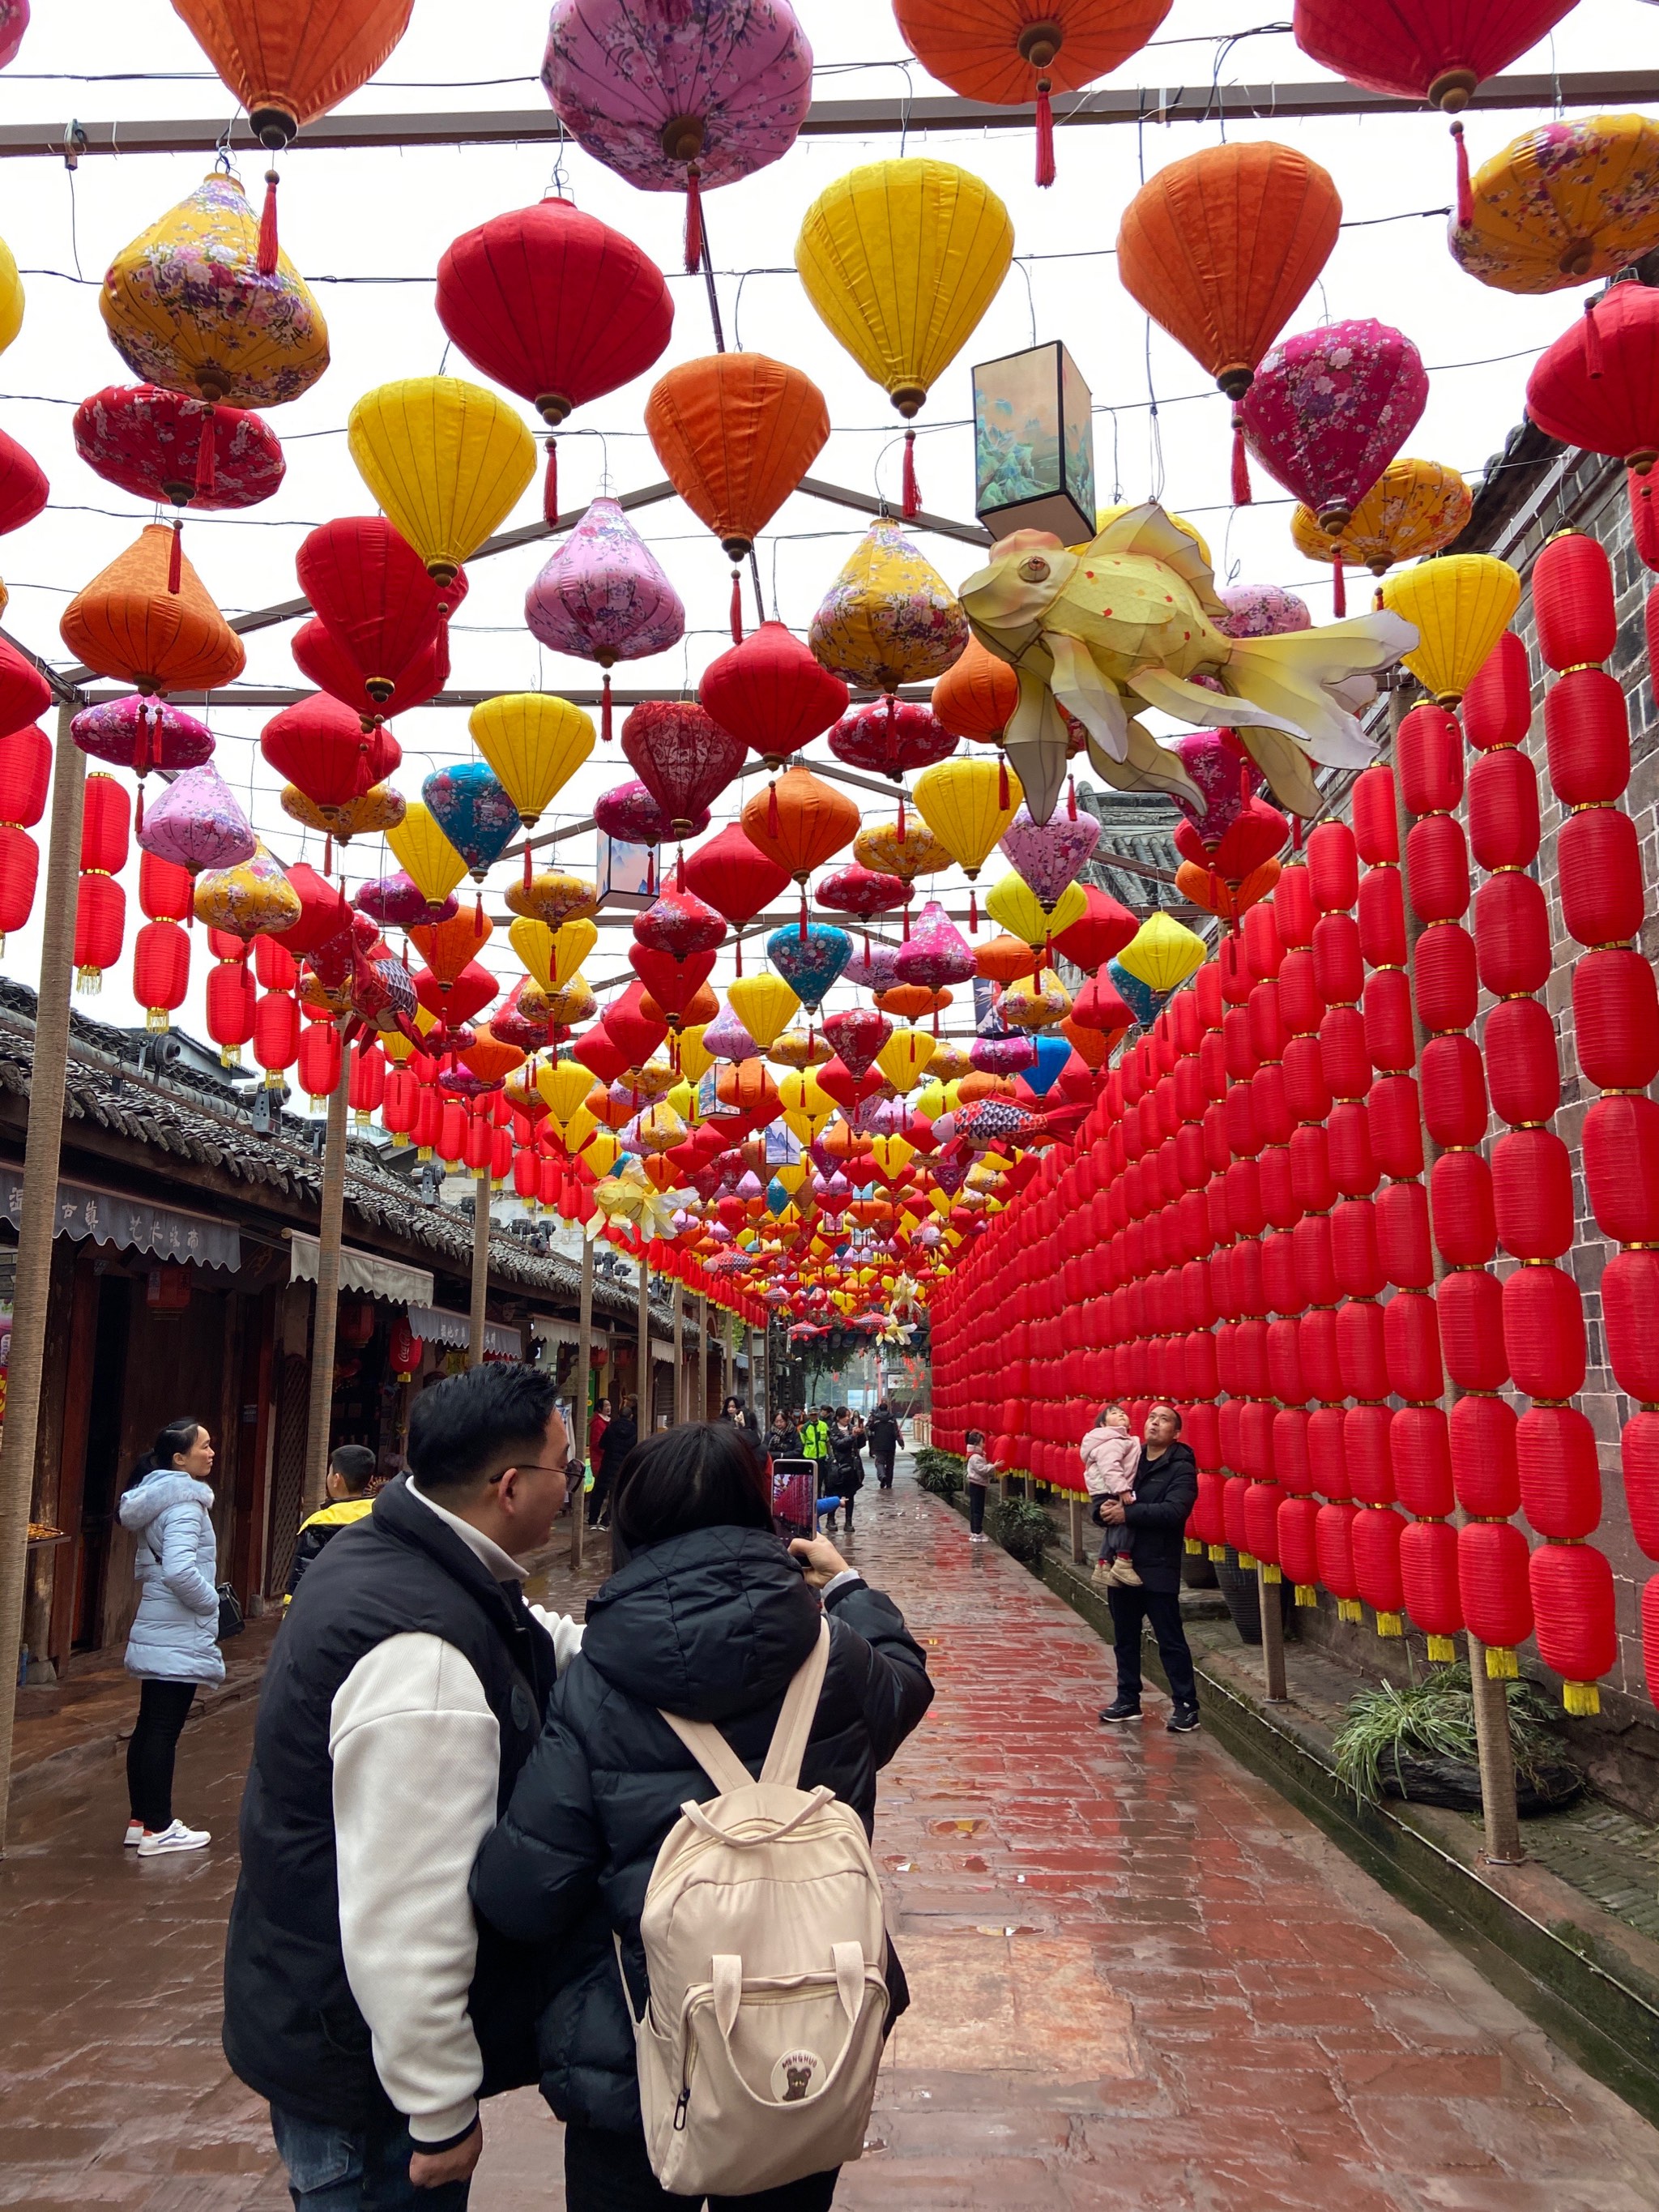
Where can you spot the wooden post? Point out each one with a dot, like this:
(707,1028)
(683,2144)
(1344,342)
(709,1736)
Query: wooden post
(43,1148)
(579,1404)
(475,1348)
(1075,1517)
(643,1386)
(327,1319)
(1495,1749)
(1270,1599)
(678,1297)
(699,1410)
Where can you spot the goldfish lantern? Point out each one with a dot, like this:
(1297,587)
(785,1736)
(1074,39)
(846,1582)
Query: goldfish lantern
(1461,606)
(765,1004)
(556,306)
(735,432)
(533,744)
(968,805)
(672,110)
(809,961)
(1261,611)
(1412,509)
(1016,907)
(381,609)
(889,617)
(734,876)
(427,857)
(602,597)
(188,306)
(901,259)
(167,447)
(446,461)
(1220,248)
(1595,387)
(553,897)
(1162,955)
(1048,856)
(936,953)
(1434,50)
(197,823)
(1572,202)
(474,812)
(1330,408)
(800,822)
(253,899)
(684,757)
(770,692)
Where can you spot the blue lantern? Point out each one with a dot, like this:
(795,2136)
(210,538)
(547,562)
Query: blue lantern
(810,963)
(474,812)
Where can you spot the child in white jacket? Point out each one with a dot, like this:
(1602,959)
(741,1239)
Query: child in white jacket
(1111,1453)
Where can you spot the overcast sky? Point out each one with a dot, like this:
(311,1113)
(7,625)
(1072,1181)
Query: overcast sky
(378,222)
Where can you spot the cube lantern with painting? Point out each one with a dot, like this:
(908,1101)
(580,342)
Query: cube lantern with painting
(1034,446)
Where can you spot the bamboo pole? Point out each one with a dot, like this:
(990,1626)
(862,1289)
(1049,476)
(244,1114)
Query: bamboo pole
(1494,1748)
(678,1297)
(475,1345)
(578,1405)
(36,1220)
(326,1316)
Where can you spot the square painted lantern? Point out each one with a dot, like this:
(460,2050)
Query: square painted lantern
(1034,446)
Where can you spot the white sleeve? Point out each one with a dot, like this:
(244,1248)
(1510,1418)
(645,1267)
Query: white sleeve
(417,1756)
(565,1632)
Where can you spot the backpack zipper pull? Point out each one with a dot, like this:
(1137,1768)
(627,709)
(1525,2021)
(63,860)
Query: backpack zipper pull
(680,2112)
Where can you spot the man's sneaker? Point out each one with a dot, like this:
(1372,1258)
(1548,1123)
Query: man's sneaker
(134,1835)
(1183,1721)
(177,1838)
(1119,1711)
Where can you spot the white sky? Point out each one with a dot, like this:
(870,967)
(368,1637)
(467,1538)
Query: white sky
(375,215)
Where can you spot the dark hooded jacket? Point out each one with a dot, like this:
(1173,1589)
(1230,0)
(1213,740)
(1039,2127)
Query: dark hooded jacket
(711,1626)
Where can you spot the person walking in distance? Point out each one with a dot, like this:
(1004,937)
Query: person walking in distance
(406,1690)
(886,1440)
(621,1436)
(1165,1491)
(173,1644)
(351,1471)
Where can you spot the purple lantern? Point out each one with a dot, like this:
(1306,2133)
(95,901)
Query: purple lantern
(197,823)
(629,816)
(1048,855)
(602,597)
(937,954)
(1261,611)
(395,902)
(1212,758)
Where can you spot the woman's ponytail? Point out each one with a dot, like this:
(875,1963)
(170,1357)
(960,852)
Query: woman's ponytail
(175,1439)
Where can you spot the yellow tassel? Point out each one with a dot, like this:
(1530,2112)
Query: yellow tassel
(155,1020)
(1247,1562)
(1581,1698)
(399,1140)
(1442,1650)
(424,1153)
(1306,1595)
(1500,1664)
(1193,1549)
(1389,1624)
(1271,1574)
(1349,1609)
(273,1078)
(1217,1550)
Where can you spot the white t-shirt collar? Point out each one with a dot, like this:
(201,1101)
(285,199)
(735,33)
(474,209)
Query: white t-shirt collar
(504,1567)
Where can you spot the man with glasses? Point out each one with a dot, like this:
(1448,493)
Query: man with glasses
(408,1687)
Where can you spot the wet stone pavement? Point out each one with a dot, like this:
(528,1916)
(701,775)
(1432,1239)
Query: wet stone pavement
(1141,1980)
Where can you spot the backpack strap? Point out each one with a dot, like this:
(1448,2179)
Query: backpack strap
(788,1746)
(712,1752)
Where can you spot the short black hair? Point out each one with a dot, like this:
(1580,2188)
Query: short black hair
(474,1426)
(355,1464)
(703,1474)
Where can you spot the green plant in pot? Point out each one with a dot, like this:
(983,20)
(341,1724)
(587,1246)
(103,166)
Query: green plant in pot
(1416,1741)
(940,1472)
(1021,1527)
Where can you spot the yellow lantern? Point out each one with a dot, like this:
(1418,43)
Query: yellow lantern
(968,804)
(659,1128)
(601,1153)
(1572,202)
(1012,902)
(889,617)
(800,1049)
(905,1058)
(808,1109)
(950,1060)
(552,956)
(892,1155)
(11,297)
(695,1062)
(447,460)
(1162,953)
(425,854)
(1413,508)
(1036,1002)
(901,259)
(186,308)
(378,811)
(553,897)
(764,1004)
(568,1008)
(880,847)
(1460,607)
(533,744)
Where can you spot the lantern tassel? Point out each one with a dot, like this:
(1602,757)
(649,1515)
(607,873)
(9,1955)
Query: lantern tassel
(900,815)
(911,507)
(206,471)
(176,557)
(1340,593)
(328,852)
(478,912)
(973,909)
(772,810)
(605,708)
(737,606)
(1002,782)
(1241,463)
(693,220)
(1592,341)
(1465,194)
(550,483)
(528,864)
(1071,798)
(267,262)
(1045,134)
(803,910)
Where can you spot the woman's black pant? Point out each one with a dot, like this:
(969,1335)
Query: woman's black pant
(607,2173)
(163,1709)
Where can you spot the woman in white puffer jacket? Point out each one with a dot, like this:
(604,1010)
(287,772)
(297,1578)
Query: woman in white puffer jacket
(174,1641)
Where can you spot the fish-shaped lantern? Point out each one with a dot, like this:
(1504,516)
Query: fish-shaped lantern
(1129,621)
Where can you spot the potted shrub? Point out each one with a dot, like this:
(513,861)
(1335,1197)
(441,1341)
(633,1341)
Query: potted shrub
(1416,1741)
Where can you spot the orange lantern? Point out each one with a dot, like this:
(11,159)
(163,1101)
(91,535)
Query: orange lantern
(127,624)
(800,822)
(976,695)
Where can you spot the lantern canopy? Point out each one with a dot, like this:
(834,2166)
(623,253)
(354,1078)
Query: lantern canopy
(1432,49)
(1461,606)
(534,744)
(1034,446)
(289,65)
(129,625)
(772,693)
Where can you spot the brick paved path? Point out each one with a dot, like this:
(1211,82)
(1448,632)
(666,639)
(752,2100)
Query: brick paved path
(1141,1980)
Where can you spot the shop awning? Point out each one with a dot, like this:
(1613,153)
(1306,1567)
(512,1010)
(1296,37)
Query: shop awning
(566,1331)
(438,1325)
(108,1218)
(364,1273)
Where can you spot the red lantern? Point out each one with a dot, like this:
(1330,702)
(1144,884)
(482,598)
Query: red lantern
(1412,1344)
(1503,828)
(1615,1011)
(1428,1583)
(1298,1546)
(1471,1308)
(684,757)
(1447,985)
(1599,869)
(1598,385)
(19,870)
(1532,1194)
(160,971)
(1629,1317)
(1376,822)
(1498,705)
(1493,1583)
(101,904)
(322,748)
(1639,1449)
(1587,737)
(1480,1432)
(1544,1332)
(1454,1090)
(323,661)
(1419,1449)
(1560,1477)
(1396,1133)
(24,776)
(404,1349)
(772,695)
(319,1060)
(1521,1058)
(1100,933)
(1382,918)
(1429,751)
(1437,868)
(374,597)
(25,694)
(1377,1536)
(1511,936)
(276,1036)
(1334,1539)
(1573,1603)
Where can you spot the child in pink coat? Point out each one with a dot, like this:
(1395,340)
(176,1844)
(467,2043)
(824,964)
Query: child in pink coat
(1111,1453)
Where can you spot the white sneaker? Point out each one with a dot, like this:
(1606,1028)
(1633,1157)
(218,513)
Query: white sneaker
(976,1540)
(177,1838)
(134,1836)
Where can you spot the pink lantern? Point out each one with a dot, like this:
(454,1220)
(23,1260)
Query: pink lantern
(727,1039)
(197,823)
(1261,611)
(862,892)
(1329,410)
(858,1035)
(892,738)
(395,902)
(602,597)
(1047,855)
(681,925)
(142,734)
(13,21)
(676,99)
(937,953)
(872,970)
(631,816)
(1213,761)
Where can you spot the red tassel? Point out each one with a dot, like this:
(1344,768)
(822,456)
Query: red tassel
(973,909)
(1002,782)
(1295,833)
(1465,194)
(1592,340)
(206,459)
(477,912)
(550,483)
(328,852)
(771,809)
(693,222)
(267,262)
(526,864)
(679,870)
(900,815)
(651,871)
(803,913)
(1241,463)
(912,501)
(740,951)
(1339,591)
(905,931)
(1045,134)
(605,708)
(737,606)
(1071,798)
(176,558)
(139,814)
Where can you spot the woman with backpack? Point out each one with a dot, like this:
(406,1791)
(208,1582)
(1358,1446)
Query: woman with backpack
(174,1644)
(710,1622)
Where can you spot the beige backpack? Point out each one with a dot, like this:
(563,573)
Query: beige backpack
(766,1949)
